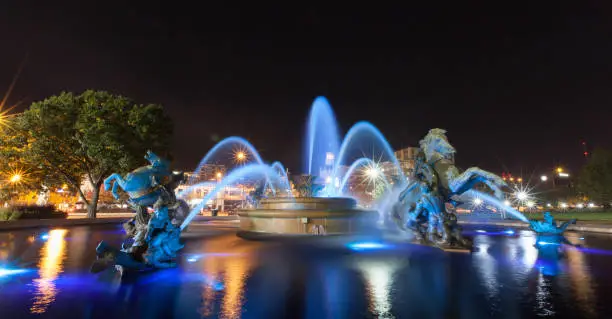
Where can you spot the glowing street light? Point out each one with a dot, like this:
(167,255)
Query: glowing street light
(16,178)
(520,179)
(591,205)
(580,205)
(563,205)
(559,170)
(240,156)
(521,195)
(477,201)
(219,175)
(530,204)
(507,202)
(543,178)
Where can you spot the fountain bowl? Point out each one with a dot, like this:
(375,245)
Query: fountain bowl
(306,216)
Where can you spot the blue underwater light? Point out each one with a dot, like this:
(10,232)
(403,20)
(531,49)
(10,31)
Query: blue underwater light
(366,245)
(7,272)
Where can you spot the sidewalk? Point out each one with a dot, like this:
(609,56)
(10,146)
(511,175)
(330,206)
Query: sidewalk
(35,223)
(103,219)
(580,226)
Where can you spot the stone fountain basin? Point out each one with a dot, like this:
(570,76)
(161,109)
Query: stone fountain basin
(312,216)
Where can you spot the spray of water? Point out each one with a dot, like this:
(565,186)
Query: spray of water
(351,138)
(360,162)
(282,172)
(193,187)
(247,171)
(322,135)
(219,147)
(497,204)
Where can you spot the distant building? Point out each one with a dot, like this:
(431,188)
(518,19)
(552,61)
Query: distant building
(208,172)
(407,159)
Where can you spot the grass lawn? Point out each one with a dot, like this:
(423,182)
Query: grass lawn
(598,216)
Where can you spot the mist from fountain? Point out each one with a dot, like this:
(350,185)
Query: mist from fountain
(193,187)
(246,171)
(282,172)
(232,140)
(322,135)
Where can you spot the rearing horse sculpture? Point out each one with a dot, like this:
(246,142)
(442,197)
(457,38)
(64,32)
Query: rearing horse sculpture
(142,183)
(437,182)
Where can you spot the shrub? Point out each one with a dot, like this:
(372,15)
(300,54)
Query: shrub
(9,214)
(30,212)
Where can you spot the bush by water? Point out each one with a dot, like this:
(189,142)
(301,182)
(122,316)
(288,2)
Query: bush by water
(30,212)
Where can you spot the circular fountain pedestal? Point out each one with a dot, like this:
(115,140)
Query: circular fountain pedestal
(281,217)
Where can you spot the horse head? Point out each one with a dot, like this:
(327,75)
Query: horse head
(156,161)
(435,145)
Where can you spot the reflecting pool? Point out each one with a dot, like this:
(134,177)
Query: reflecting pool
(45,274)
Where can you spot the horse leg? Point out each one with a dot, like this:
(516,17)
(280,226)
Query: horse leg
(473,176)
(109,180)
(119,182)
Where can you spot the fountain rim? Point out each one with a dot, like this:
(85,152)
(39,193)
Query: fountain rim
(281,200)
(309,213)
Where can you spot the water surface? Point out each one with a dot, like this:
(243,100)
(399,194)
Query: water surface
(45,274)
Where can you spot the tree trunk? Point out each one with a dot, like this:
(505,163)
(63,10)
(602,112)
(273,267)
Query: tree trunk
(92,207)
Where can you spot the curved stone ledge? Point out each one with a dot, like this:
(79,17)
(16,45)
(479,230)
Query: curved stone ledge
(331,203)
(305,217)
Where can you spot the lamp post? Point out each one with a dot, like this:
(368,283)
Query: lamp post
(14,180)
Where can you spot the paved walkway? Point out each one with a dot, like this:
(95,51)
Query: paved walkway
(232,221)
(113,218)
(580,226)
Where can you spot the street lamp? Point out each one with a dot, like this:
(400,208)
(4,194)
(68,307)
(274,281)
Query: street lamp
(219,175)
(15,178)
(240,156)
(543,178)
(521,195)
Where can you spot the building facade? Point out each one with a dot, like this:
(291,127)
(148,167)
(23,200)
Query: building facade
(407,159)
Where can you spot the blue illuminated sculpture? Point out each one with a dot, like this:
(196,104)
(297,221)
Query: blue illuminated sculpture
(153,239)
(550,235)
(427,205)
(549,226)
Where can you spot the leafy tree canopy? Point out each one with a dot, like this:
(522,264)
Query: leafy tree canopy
(595,179)
(72,139)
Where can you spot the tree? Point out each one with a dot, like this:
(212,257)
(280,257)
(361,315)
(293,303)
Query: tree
(595,179)
(73,138)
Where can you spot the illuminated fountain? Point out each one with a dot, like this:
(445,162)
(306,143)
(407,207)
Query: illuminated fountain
(417,205)
(324,212)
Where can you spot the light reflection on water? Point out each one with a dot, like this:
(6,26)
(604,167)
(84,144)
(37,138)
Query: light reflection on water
(503,278)
(50,266)
(580,276)
(227,260)
(379,276)
(485,264)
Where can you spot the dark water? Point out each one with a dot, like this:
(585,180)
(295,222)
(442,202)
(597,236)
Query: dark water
(222,276)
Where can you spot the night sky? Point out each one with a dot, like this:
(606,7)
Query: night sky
(517,87)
